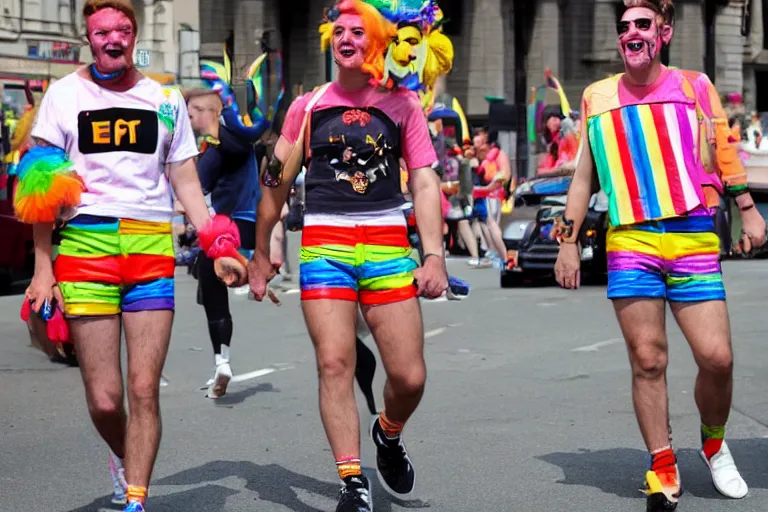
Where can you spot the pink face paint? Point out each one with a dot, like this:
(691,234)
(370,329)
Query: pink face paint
(639,47)
(349,41)
(112,40)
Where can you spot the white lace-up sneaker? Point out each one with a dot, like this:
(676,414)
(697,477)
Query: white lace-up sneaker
(119,485)
(725,476)
(221,378)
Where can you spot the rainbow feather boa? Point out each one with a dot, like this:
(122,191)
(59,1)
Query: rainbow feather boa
(47,184)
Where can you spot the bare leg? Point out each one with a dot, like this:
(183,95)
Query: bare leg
(399,333)
(331,325)
(492,234)
(147,335)
(643,324)
(465,231)
(97,343)
(707,329)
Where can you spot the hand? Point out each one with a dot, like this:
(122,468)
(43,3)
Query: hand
(260,272)
(43,287)
(231,271)
(431,278)
(568,266)
(753,229)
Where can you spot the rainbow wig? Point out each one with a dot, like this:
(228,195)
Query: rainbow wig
(47,184)
(378,30)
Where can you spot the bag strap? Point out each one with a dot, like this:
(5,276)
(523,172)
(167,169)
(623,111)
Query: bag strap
(296,157)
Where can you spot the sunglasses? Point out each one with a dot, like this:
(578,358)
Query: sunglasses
(642,24)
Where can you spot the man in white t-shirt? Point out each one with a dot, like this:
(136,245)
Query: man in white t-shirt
(123,132)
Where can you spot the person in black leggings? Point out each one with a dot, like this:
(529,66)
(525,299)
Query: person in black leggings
(228,170)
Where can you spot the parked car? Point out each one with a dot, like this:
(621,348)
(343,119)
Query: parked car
(528,237)
(17,257)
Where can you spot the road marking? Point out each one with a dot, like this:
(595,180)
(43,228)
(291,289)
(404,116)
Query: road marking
(292,291)
(597,346)
(434,332)
(252,375)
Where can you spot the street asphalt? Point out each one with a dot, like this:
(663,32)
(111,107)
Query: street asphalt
(527,408)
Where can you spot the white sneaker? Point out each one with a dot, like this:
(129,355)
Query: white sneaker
(221,378)
(119,485)
(725,476)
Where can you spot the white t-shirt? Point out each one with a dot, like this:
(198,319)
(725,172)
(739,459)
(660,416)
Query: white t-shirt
(120,143)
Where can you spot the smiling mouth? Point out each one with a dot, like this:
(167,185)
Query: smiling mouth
(347,52)
(635,46)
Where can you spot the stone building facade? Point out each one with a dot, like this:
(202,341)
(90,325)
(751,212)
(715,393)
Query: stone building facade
(575,38)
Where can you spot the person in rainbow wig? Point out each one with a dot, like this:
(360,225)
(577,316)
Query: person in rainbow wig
(109,143)
(355,251)
(658,139)
(419,53)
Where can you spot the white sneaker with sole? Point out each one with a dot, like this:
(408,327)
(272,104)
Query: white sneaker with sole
(221,378)
(725,476)
(119,485)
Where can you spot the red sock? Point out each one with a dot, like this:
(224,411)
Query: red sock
(711,447)
(391,429)
(663,461)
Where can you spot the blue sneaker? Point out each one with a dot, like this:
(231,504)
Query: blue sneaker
(134,506)
(458,289)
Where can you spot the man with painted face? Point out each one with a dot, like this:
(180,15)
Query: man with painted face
(658,140)
(127,140)
(355,248)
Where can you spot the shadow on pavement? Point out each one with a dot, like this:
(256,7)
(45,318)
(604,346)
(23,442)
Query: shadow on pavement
(271,482)
(209,497)
(620,471)
(241,395)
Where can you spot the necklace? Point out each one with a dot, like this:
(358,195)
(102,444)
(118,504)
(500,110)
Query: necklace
(101,77)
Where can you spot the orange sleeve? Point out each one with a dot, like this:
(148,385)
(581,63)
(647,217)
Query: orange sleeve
(728,163)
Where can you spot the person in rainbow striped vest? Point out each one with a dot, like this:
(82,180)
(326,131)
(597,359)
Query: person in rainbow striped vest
(659,141)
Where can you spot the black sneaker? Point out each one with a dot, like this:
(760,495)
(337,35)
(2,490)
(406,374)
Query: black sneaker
(355,495)
(393,465)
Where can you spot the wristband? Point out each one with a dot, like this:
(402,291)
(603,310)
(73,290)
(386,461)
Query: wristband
(747,208)
(427,255)
(563,231)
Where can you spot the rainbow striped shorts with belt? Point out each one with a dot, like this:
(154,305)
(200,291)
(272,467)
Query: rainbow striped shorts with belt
(677,259)
(365,258)
(106,266)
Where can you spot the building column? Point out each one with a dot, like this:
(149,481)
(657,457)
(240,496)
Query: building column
(730,44)
(486,60)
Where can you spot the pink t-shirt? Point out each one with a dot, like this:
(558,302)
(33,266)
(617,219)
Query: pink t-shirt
(401,106)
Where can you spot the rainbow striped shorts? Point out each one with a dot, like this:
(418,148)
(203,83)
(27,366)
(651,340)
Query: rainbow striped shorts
(365,258)
(677,259)
(106,266)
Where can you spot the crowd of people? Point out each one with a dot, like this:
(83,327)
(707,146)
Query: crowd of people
(118,167)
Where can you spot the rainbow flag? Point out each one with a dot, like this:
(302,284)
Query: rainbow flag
(645,159)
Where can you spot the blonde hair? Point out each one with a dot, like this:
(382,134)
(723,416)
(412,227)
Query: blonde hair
(664,8)
(91,7)
(439,60)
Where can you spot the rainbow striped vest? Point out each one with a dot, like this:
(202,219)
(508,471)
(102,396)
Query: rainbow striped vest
(646,152)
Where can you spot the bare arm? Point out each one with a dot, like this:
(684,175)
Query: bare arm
(273,198)
(580,190)
(186,185)
(42,235)
(425,187)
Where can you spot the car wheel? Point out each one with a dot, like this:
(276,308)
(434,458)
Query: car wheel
(511,279)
